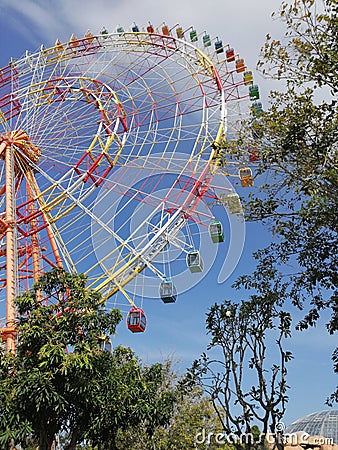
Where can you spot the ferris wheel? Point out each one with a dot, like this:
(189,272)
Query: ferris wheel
(109,146)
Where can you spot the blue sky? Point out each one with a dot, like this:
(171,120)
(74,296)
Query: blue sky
(179,330)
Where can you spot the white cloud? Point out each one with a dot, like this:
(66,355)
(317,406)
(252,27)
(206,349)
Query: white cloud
(241,23)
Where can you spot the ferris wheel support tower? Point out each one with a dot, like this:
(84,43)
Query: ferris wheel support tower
(9,333)
(14,146)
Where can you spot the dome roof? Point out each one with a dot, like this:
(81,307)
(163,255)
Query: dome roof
(322,423)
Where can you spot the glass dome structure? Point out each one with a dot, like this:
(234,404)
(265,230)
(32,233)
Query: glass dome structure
(322,423)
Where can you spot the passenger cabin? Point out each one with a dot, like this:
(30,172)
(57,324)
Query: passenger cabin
(233,203)
(168,292)
(245,175)
(104,31)
(248,78)
(240,65)
(73,41)
(193,36)
(165,30)
(206,40)
(257,108)
(89,36)
(219,46)
(194,261)
(105,344)
(216,232)
(136,320)
(254,92)
(230,54)
(179,32)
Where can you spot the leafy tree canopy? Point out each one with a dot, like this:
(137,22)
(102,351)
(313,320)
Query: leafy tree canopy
(63,381)
(297,174)
(193,424)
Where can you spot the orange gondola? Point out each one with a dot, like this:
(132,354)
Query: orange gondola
(245,175)
(240,65)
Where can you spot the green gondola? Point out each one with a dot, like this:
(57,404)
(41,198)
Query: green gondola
(254,92)
(216,232)
(193,36)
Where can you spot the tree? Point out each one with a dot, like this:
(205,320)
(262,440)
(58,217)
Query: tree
(234,371)
(63,381)
(194,423)
(136,399)
(12,427)
(297,139)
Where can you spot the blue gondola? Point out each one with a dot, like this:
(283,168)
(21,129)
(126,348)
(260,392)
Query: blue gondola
(216,232)
(194,261)
(168,292)
(219,46)
(257,108)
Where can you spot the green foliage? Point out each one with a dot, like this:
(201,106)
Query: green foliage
(12,427)
(297,137)
(137,396)
(193,413)
(63,382)
(309,52)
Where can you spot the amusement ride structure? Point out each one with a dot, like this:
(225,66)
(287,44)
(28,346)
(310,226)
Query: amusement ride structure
(109,145)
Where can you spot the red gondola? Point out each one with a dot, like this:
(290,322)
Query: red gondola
(150,28)
(230,55)
(136,320)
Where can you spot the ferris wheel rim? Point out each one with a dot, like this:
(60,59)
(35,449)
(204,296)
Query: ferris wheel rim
(138,41)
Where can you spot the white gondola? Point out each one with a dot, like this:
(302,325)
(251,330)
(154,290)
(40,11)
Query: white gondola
(105,344)
(168,291)
(194,261)
(233,203)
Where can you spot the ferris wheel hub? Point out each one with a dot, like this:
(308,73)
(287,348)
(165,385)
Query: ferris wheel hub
(21,142)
